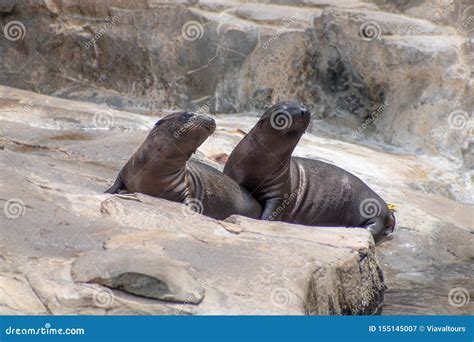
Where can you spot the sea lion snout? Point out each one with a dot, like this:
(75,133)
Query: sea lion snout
(194,120)
(287,117)
(389,229)
(291,108)
(305,112)
(207,122)
(188,123)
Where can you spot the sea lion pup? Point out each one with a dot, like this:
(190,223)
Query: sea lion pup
(161,168)
(301,190)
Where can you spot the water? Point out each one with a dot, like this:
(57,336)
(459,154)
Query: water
(425,281)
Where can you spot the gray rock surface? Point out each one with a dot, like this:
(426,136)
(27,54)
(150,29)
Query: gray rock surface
(146,274)
(408,62)
(58,156)
(77,250)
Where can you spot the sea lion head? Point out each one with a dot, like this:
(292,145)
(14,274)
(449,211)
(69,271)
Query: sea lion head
(285,118)
(180,134)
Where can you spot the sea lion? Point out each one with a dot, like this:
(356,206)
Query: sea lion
(161,168)
(300,190)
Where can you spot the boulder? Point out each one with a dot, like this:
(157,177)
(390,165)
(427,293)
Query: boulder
(140,273)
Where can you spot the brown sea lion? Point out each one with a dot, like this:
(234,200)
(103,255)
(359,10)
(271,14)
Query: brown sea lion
(161,168)
(300,190)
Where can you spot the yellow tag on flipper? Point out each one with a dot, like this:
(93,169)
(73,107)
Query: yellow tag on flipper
(391,206)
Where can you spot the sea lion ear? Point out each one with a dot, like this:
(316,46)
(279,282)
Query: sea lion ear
(158,123)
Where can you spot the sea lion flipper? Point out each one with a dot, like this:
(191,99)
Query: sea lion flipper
(270,211)
(116,187)
(376,227)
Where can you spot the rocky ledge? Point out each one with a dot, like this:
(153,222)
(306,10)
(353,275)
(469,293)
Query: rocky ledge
(67,248)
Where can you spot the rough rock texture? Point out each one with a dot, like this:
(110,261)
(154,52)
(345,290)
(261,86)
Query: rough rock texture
(58,156)
(410,61)
(17,297)
(68,248)
(146,274)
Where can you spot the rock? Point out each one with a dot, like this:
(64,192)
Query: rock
(54,213)
(144,274)
(17,297)
(221,260)
(51,280)
(7,6)
(236,57)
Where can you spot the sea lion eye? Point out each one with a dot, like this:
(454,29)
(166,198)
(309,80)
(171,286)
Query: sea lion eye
(186,116)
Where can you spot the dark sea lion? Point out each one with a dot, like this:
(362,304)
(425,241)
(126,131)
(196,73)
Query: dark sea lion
(301,190)
(161,168)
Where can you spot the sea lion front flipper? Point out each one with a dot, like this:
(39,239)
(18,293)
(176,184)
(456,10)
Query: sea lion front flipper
(117,186)
(376,227)
(270,211)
